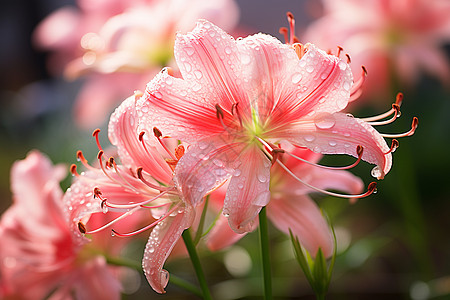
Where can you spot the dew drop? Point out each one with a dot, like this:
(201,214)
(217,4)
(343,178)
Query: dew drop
(262,178)
(325,121)
(332,143)
(346,86)
(207,25)
(218,162)
(309,138)
(241,185)
(296,78)
(198,74)
(309,69)
(144,109)
(237,172)
(220,172)
(226,215)
(151,250)
(212,33)
(323,75)
(169,80)
(189,50)
(202,145)
(187,66)
(157,95)
(164,278)
(105,209)
(245,59)
(227,50)
(342,65)
(376,172)
(196,87)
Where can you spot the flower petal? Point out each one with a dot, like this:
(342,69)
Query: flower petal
(123,133)
(341,134)
(160,244)
(221,236)
(205,166)
(248,190)
(303,217)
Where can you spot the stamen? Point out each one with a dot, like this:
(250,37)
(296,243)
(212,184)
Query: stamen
(414,124)
(291,21)
(394,146)
(73,170)
(179,152)
(142,203)
(300,50)
(158,136)
(276,154)
(148,226)
(95,134)
(340,49)
(156,132)
(83,160)
(357,86)
(284,32)
(396,109)
(81,227)
(121,217)
(219,112)
(151,185)
(359,152)
(370,189)
(234,108)
(349,59)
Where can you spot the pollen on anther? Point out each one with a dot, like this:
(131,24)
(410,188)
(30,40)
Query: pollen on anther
(73,170)
(349,60)
(156,132)
(82,227)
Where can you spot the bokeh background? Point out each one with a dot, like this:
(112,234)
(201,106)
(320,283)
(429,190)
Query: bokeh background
(392,245)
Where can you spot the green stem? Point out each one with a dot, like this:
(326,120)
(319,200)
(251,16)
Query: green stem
(196,263)
(119,261)
(265,255)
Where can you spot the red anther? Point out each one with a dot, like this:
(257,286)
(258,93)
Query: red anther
(100,154)
(364,70)
(73,170)
(172,163)
(219,112)
(349,60)
(290,16)
(372,188)
(284,32)
(80,156)
(141,135)
(138,94)
(276,154)
(82,227)
(103,204)
(299,50)
(139,173)
(340,49)
(111,161)
(97,192)
(179,151)
(156,132)
(359,151)
(95,134)
(414,124)
(399,99)
(295,40)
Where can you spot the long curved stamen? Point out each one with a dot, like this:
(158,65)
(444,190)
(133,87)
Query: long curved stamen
(396,109)
(158,136)
(359,152)
(133,205)
(146,182)
(370,189)
(73,170)
(83,160)
(109,224)
(398,102)
(148,226)
(220,115)
(357,86)
(95,134)
(414,124)
(284,32)
(394,146)
(299,50)
(112,163)
(292,38)
(339,50)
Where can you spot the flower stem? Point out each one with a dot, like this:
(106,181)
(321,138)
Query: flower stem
(119,261)
(265,255)
(196,263)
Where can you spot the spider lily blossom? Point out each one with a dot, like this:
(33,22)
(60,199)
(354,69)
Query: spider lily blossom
(39,256)
(238,99)
(139,189)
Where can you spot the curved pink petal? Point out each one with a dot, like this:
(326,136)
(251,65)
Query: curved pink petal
(123,133)
(303,217)
(248,190)
(160,244)
(186,117)
(205,166)
(341,134)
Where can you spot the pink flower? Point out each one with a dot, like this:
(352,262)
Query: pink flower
(38,256)
(122,46)
(390,38)
(291,207)
(238,99)
(140,189)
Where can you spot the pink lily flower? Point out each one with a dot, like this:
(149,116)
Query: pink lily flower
(290,206)
(139,189)
(238,99)
(39,258)
(124,47)
(390,38)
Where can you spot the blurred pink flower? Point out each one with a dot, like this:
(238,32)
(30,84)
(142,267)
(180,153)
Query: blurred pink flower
(394,40)
(38,256)
(290,206)
(237,99)
(121,47)
(139,190)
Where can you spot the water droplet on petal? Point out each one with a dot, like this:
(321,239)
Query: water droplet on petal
(296,77)
(376,172)
(309,138)
(189,50)
(342,65)
(262,178)
(237,172)
(187,66)
(198,74)
(332,143)
(245,59)
(151,250)
(157,95)
(325,121)
(202,145)
(169,80)
(196,87)
(309,69)
(346,86)
(220,172)
(227,50)
(164,278)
